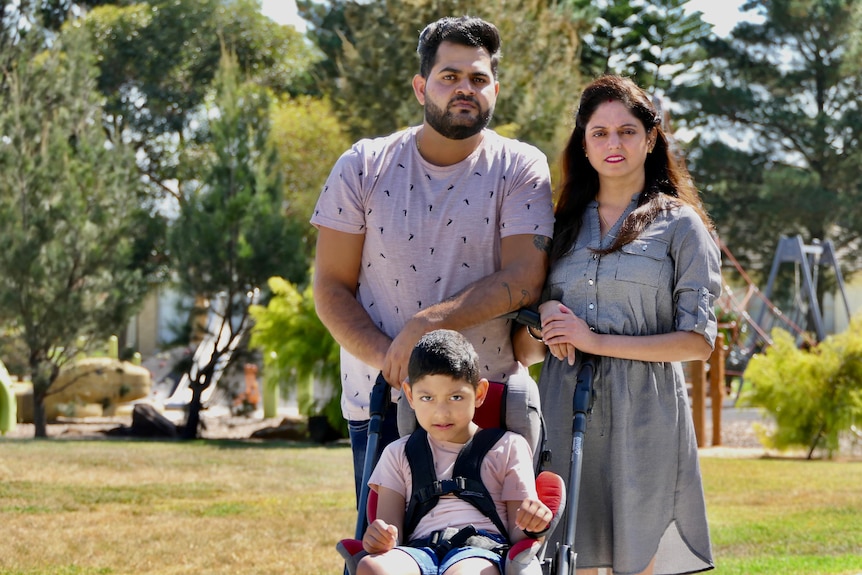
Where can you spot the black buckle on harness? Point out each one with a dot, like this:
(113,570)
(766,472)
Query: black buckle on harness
(443,487)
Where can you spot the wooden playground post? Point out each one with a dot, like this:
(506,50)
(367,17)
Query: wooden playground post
(697,372)
(717,386)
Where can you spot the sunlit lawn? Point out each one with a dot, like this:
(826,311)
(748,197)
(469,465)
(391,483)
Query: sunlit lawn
(70,507)
(118,506)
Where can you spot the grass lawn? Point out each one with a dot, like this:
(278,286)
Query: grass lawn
(227,507)
(777,516)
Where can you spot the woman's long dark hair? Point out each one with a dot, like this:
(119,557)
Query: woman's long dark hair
(667,181)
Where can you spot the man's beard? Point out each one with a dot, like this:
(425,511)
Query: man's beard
(457,126)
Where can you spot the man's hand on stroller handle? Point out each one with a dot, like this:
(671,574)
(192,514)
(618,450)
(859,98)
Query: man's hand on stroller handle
(398,354)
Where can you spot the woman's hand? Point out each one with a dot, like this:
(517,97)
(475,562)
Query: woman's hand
(563,332)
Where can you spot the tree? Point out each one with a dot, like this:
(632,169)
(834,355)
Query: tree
(231,235)
(157,61)
(788,105)
(9,36)
(654,43)
(308,139)
(370,50)
(75,237)
(854,54)
(540,71)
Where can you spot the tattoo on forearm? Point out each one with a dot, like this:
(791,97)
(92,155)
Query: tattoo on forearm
(525,297)
(508,289)
(542,243)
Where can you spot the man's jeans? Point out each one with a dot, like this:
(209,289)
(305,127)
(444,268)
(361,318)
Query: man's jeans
(359,441)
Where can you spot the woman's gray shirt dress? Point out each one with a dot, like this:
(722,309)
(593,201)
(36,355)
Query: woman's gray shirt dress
(641,493)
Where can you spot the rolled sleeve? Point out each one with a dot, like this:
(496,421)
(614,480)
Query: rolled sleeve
(698,277)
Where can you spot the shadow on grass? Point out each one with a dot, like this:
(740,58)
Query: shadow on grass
(273,444)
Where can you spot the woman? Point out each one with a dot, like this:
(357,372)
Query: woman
(634,274)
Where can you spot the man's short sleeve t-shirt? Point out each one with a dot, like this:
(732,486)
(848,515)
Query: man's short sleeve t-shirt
(429,232)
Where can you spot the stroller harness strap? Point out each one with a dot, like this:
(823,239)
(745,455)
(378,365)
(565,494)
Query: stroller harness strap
(466,482)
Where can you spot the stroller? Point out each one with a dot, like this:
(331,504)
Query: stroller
(525,558)
(505,407)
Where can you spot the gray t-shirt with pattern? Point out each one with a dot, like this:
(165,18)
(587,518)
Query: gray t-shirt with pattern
(430,231)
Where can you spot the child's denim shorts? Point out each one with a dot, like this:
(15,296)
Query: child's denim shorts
(430,564)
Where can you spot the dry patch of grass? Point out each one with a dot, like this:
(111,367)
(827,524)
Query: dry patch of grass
(222,507)
(166,507)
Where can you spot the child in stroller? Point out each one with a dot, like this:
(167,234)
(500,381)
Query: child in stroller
(452,498)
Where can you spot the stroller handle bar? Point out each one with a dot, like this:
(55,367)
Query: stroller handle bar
(527,317)
(380,399)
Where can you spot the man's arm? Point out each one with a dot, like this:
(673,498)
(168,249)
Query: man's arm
(528,350)
(518,283)
(336,274)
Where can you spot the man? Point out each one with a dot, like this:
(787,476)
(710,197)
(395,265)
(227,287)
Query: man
(443,225)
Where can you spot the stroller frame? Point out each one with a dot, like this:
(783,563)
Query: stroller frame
(380,398)
(565,557)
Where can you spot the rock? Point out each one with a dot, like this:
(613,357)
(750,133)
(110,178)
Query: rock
(147,422)
(292,429)
(89,387)
(320,430)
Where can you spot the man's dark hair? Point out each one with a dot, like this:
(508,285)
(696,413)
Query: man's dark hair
(466,31)
(444,352)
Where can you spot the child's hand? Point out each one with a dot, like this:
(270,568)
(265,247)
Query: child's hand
(379,537)
(533,516)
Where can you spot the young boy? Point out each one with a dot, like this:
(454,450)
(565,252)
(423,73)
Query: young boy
(444,389)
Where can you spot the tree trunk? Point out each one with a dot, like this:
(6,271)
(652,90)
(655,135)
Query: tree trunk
(42,374)
(40,419)
(193,420)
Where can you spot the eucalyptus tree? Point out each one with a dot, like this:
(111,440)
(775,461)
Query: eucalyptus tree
(157,62)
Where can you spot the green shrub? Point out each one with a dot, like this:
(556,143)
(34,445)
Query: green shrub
(298,350)
(813,395)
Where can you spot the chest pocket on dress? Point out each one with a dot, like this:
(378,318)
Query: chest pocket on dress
(641,261)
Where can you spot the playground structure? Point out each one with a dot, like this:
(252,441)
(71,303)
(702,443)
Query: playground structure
(755,315)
